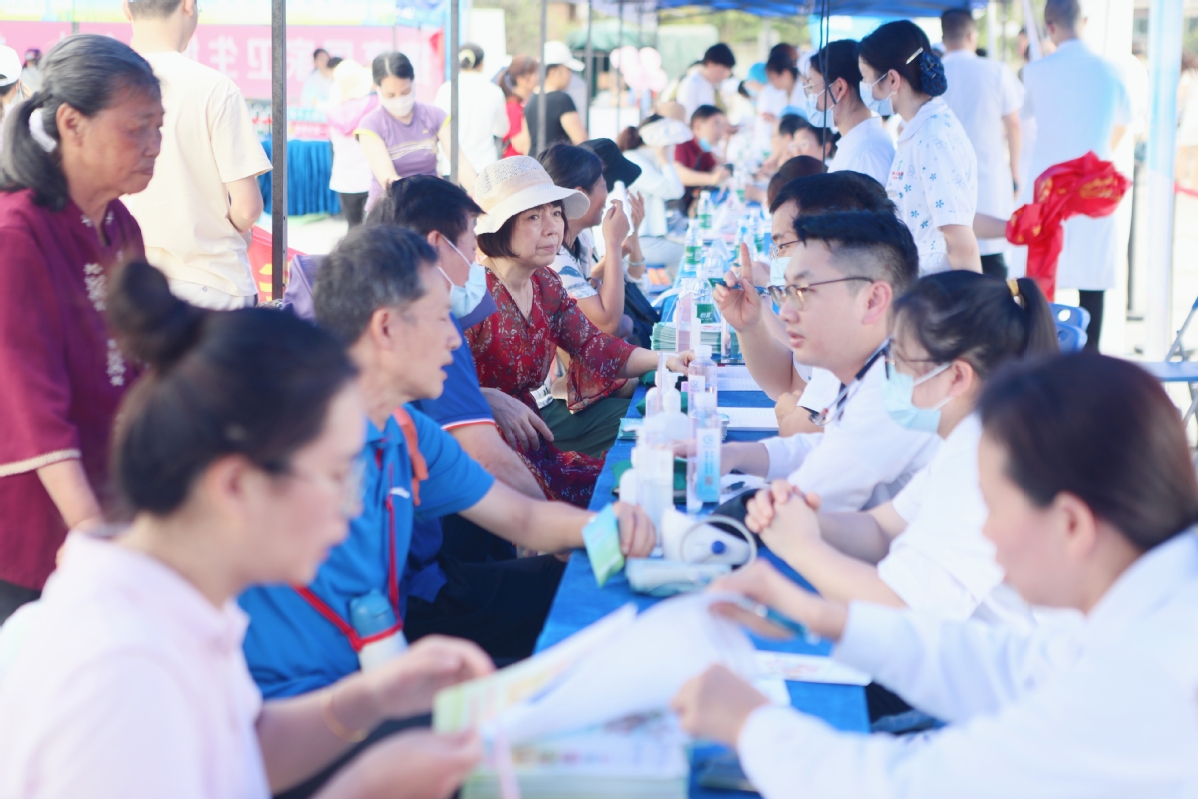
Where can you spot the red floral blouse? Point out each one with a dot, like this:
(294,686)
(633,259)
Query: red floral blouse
(513,354)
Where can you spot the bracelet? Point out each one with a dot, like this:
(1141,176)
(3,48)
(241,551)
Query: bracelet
(334,724)
(636,263)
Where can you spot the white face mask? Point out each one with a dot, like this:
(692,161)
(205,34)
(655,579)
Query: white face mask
(464,299)
(881,107)
(400,106)
(818,118)
(778,270)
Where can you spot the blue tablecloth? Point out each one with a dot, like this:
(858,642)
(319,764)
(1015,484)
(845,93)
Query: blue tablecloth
(580,602)
(309,167)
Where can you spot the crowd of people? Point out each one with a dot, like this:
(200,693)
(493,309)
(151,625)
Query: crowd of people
(201,497)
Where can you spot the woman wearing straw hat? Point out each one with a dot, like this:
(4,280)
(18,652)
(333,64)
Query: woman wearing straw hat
(352,100)
(521,231)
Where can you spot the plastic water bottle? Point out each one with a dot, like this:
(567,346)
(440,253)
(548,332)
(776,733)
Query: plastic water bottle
(694,248)
(704,302)
(758,230)
(705,211)
(684,312)
(701,376)
(653,459)
(370,615)
(703,468)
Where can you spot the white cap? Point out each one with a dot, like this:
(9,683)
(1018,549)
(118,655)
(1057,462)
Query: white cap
(558,53)
(704,351)
(10,66)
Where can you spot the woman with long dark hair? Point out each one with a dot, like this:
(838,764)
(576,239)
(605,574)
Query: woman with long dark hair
(88,136)
(934,177)
(1091,498)
(235,456)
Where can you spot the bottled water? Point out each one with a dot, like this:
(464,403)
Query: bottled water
(694,248)
(706,210)
(684,311)
(703,467)
(701,376)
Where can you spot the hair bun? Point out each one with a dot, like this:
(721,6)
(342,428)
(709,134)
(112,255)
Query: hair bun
(932,80)
(153,325)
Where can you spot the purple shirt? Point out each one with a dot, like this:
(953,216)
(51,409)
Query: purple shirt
(412,146)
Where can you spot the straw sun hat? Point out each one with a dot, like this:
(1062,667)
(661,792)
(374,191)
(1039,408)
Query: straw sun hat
(510,186)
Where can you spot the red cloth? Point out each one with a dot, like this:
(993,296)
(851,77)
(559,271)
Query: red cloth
(513,353)
(515,123)
(691,155)
(1086,185)
(63,377)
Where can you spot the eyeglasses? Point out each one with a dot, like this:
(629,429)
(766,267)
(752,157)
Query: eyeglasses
(892,365)
(797,294)
(776,250)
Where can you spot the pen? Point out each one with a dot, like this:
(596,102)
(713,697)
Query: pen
(774,617)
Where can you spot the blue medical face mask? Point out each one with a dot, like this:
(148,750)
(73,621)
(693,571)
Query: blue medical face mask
(704,145)
(778,270)
(896,397)
(881,107)
(818,118)
(464,299)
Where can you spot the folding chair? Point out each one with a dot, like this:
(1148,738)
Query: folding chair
(1181,370)
(1071,315)
(1070,338)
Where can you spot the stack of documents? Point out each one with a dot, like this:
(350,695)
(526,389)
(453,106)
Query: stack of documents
(664,337)
(755,419)
(736,378)
(585,718)
(639,758)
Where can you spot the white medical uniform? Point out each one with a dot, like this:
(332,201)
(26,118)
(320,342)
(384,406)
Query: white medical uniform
(867,148)
(1077,98)
(695,90)
(942,563)
(981,91)
(933,180)
(482,112)
(862,459)
(1107,710)
(771,100)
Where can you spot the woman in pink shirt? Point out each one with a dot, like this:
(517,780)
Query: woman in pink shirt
(235,454)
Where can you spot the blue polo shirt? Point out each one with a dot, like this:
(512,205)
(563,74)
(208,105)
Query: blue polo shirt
(289,647)
(461,403)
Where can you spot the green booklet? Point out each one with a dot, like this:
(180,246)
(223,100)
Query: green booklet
(602,538)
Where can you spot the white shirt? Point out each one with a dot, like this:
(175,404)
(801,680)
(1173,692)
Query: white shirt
(771,100)
(658,184)
(942,563)
(867,149)
(1077,98)
(933,180)
(981,91)
(207,141)
(483,111)
(863,457)
(129,684)
(695,90)
(351,172)
(1107,711)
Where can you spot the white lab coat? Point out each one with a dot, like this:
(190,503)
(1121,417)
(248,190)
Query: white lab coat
(1107,709)
(981,92)
(867,149)
(862,459)
(1077,98)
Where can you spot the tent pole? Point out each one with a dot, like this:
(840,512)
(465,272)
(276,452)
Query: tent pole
(455,44)
(541,97)
(278,146)
(590,62)
(619,82)
(1165,19)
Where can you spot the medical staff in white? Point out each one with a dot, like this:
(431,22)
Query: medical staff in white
(701,86)
(845,271)
(1091,496)
(986,97)
(1080,104)
(482,110)
(925,548)
(933,179)
(783,87)
(833,100)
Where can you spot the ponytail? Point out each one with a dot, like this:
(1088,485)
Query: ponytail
(980,319)
(87,72)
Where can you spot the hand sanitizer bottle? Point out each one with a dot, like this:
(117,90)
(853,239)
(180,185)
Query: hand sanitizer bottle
(703,468)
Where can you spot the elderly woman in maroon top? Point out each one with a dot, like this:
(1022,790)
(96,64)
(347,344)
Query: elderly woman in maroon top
(514,348)
(88,136)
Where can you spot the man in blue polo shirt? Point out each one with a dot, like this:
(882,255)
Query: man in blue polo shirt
(380,291)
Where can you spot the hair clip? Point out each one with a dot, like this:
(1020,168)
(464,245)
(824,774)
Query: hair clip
(913,55)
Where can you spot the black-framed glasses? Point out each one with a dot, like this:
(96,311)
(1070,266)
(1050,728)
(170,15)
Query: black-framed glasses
(797,294)
(776,249)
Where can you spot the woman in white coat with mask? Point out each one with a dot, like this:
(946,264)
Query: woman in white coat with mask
(933,179)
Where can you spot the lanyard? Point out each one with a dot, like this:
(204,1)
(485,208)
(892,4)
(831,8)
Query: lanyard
(419,472)
(826,415)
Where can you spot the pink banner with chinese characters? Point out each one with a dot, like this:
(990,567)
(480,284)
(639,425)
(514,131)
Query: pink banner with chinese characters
(243,51)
